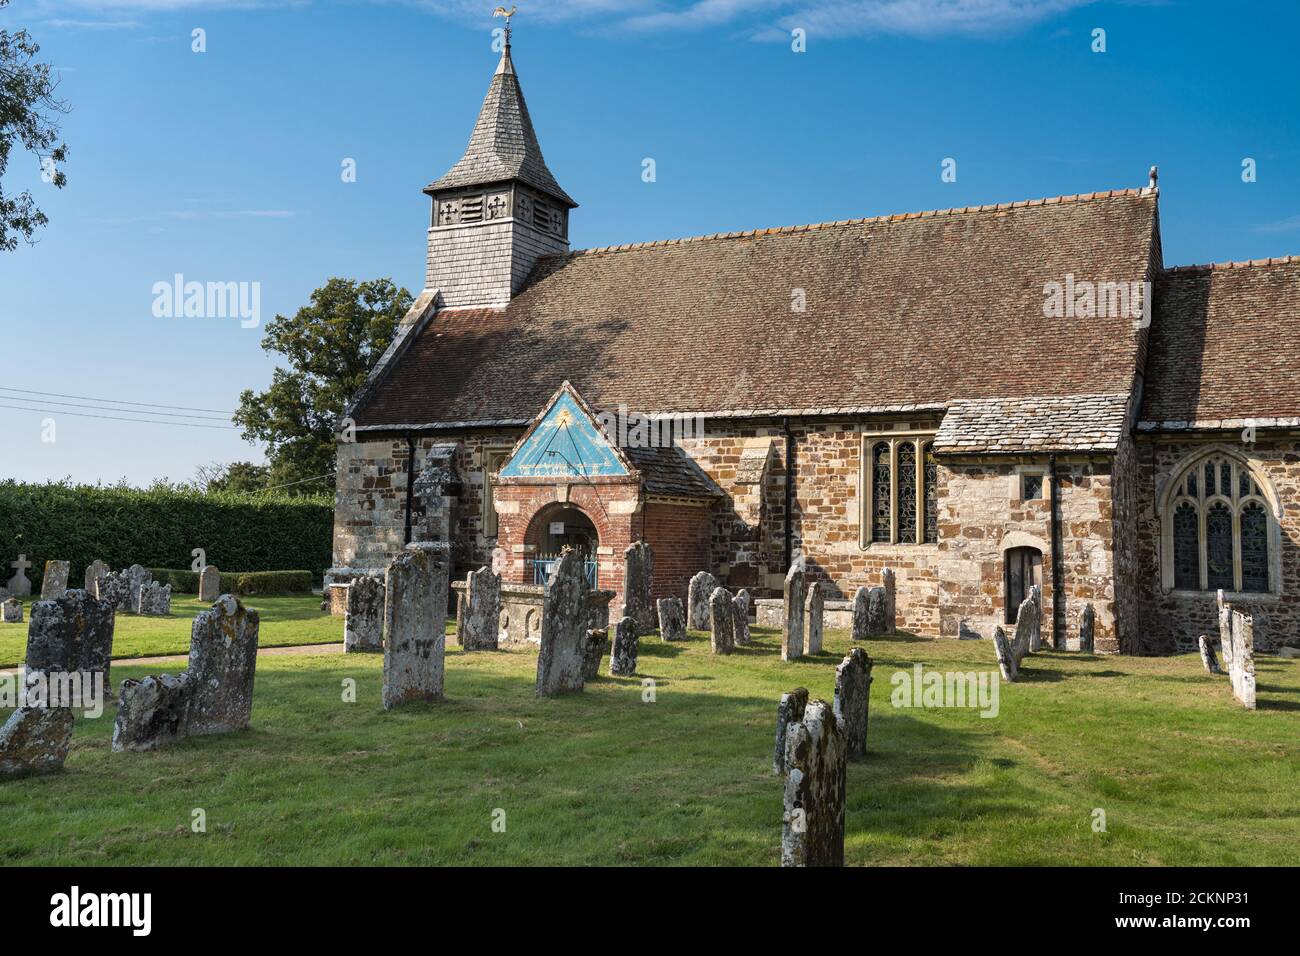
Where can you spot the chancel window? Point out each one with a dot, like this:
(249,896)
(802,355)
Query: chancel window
(1219,526)
(901,504)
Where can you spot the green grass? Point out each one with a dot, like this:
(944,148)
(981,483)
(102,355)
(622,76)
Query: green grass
(286,619)
(1184,775)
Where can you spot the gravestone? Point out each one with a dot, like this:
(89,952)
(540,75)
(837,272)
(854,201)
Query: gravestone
(11,611)
(740,617)
(136,578)
(597,645)
(363,621)
(697,600)
(565,623)
(20,585)
(155,599)
(223,667)
(35,740)
(792,626)
(622,660)
(415,607)
(789,710)
(209,583)
(1008,663)
(721,622)
(55,580)
(1026,628)
(479,620)
(860,618)
(877,612)
(1087,628)
(1208,657)
(71,636)
(94,574)
(890,584)
(1225,629)
(816,606)
(816,768)
(151,712)
(967,633)
(1241,670)
(638,577)
(672,619)
(853,698)
(116,590)
(1036,630)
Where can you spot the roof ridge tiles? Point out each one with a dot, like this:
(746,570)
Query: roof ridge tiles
(1237,264)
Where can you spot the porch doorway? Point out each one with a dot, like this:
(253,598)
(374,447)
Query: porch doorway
(556,528)
(1024,569)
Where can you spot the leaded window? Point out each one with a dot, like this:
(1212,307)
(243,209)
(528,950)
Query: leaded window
(882,472)
(1187,547)
(906,502)
(1218,547)
(931,494)
(1254,547)
(1219,529)
(902,479)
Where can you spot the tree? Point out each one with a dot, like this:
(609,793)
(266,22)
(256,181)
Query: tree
(331,346)
(236,476)
(26,106)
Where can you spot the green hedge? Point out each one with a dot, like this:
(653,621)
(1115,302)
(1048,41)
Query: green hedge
(160,527)
(238,582)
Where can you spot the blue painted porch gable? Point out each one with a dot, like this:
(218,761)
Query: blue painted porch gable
(566,443)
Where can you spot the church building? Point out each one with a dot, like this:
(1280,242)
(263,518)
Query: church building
(980,398)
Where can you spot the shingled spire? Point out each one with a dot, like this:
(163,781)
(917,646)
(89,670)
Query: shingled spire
(499,208)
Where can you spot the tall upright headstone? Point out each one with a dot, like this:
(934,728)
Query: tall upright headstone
(70,648)
(479,622)
(788,711)
(136,578)
(55,580)
(861,621)
(877,612)
(792,626)
(697,601)
(1087,628)
(1036,625)
(816,771)
(363,622)
(722,623)
(565,624)
(1241,670)
(209,583)
(415,607)
(853,699)
(672,619)
(741,604)
(816,605)
(622,659)
(638,581)
(223,667)
(890,584)
(95,572)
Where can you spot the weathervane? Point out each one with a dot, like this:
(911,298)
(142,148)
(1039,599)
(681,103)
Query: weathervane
(503,12)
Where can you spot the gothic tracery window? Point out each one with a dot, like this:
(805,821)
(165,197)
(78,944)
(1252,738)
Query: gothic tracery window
(906,502)
(881,510)
(1219,529)
(931,495)
(901,497)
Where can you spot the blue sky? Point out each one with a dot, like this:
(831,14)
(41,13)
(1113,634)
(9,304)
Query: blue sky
(225,165)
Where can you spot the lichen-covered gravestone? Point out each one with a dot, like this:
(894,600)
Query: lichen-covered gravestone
(792,625)
(861,629)
(1008,663)
(597,645)
(789,710)
(722,637)
(816,606)
(565,623)
(209,583)
(55,581)
(877,612)
(890,584)
(672,619)
(740,605)
(622,660)
(415,607)
(852,699)
(638,578)
(1087,628)
(478,621)
(1026,627)
(1241,670)
(136,578)
(94,574)
(151,712)
(697,600)
(11,611)
(1036,629)
(363,622)
(116,590)
(816,767)
(1208,657)
(70,648)
(223,667)
(155,599)
(35,740)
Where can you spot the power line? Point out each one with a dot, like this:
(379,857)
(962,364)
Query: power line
(302,481)
(113,418)
(50,401)
(113,401)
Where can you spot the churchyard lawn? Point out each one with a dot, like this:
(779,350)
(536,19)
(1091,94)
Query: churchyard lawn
(1182,773)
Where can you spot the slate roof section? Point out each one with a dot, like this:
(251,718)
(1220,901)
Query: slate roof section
(670,473)
(1009,426)
(910,311)
(1225,347)
(503,145)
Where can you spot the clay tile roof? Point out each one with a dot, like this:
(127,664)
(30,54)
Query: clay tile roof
(1070,423)
(668,472)
(916,312)
(1224,345)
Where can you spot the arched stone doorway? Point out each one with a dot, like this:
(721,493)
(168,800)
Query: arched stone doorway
(554,528)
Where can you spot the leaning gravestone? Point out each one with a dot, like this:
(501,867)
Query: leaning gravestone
(722,612)
(151,712)
(890,584)
(363,622)
(861,630)
(812,832)
(1008,663)
(35,740)
(565,620)
(11,611)
(1087,627)
(622,660)
(877,612)
(479,624)
(1026,627)
(672,619)
(209,584)
(20,585)
(638,578)
(792,626)
(1208,657)
(597,645)
(155,599)
(816,616)
(70,648)
(415,607)
(697,600)
(55,581)
(853,698)
(94,574)
(789,711)
(740,605)
(223,667)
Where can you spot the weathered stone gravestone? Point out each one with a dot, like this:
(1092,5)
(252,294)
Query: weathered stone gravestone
(55,581)
(740,605)
(35,740)
(223,667)
(20,585)
(792,627)
(136,578)
(638,577)
(1036,629)
(816,768)
(70,649)
(1008,663)
(94,574)
(672,619)
(363,622)
(861,631)
(11,611)
(1225,630)
(155,599)
(1087,628)
(622,660)
(697,600)
(1208,657)
(722,623)
(853,698)
(789,711)
(151,712)
(415,607)
(1241,669)
(565,623)
(890,584)
(816,607)
(967,633)
(209,583)
(1026,627)
(597,645)
(478,623)
(877,612)
(116,590)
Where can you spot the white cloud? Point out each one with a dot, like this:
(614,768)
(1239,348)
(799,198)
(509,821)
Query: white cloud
(1282,225)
